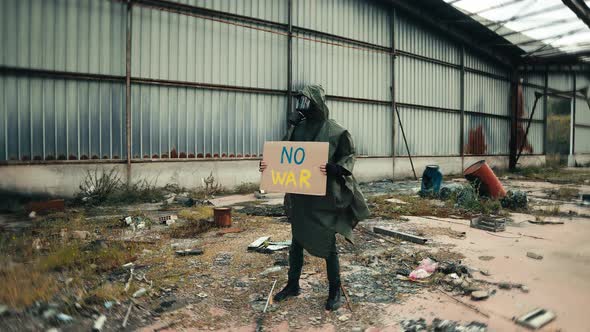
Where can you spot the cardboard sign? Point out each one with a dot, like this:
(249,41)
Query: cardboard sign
(294,167)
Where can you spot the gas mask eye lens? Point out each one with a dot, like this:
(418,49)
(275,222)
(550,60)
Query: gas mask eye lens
(303,103)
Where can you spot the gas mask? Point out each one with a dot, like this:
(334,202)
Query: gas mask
(303,104)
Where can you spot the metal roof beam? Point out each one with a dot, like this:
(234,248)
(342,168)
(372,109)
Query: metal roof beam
(580,9)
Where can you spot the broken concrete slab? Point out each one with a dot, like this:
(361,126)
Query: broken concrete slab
(533,255)
(400,235)
(536,318)
(258,242)
(479,295)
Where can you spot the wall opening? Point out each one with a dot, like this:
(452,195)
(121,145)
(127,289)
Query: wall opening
(558,130)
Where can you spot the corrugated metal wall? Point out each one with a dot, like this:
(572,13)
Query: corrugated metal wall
(49,119)
(582,137)
(203,87)
(85,36)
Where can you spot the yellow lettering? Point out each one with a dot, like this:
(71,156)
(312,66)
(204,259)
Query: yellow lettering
(291,178)
(304,175)
(278,178)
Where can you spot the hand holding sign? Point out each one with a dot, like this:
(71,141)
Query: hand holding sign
(294,167)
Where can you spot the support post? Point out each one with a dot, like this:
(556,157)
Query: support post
(545,110)
(393,89)
(290,57)
(574,114)
(128,89)
(462,120)
(515,100)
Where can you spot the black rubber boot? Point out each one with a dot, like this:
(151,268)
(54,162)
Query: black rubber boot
(292,289)
(334,299)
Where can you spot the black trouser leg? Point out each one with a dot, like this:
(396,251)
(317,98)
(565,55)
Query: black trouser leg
(333,267)
(295,260)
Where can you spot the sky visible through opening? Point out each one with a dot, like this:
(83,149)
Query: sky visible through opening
(549,21)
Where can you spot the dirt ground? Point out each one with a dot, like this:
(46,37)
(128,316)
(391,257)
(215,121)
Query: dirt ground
(48,272)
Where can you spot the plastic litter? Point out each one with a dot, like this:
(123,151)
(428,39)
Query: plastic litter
(424,270)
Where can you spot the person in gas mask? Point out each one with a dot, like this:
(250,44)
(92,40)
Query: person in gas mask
(315,220)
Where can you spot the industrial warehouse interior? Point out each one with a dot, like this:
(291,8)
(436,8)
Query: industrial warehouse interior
(294,165)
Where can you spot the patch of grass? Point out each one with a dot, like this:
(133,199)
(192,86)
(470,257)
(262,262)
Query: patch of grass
(555,175)
(190,229)
(246,188)
(414,206)
(107,292)
(21,285)
(196,213)
(563,193)
(75,255)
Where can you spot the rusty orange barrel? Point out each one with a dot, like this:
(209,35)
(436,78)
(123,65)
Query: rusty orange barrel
(222,216)
(489,185)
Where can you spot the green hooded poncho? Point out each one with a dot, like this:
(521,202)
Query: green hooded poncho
(316,219)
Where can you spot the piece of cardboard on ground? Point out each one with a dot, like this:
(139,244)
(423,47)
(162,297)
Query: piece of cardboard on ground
(294,167)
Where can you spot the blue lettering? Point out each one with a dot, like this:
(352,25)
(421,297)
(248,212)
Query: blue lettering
(302,156)
(288,154)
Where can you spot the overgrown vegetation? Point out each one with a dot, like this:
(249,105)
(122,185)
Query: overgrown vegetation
(563,193)
(46,260)
(106,187)
(553,174)
(198,220)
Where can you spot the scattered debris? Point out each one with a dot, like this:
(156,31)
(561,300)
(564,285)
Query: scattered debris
(260,194)
(533,255)
(99,323)
(81,235)
(542,222)
(168,220)
(65,318)
(189,252)
(140,292)
(400,235)
(489,223)
(344,318)
(271,270)
(450,190)
(136,223)
(419,325)
(585,199)
(127,314)
(536,318)
(424,270)
(263,245)
(479,295)
(515,199)
(485,273)
(33,214)
(472,307)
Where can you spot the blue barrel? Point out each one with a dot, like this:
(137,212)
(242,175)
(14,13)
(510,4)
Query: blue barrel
(431,181)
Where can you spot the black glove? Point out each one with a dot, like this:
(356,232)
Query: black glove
(295,117)
(336,170)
